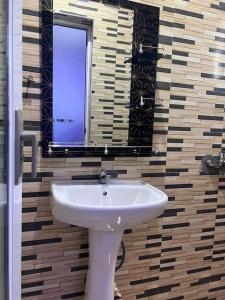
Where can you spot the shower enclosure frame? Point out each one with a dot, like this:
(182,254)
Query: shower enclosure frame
(14,54)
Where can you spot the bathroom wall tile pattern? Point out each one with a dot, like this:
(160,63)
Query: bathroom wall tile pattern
(181,254)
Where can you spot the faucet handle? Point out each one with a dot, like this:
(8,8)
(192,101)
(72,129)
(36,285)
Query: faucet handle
(103,173)
(222,157)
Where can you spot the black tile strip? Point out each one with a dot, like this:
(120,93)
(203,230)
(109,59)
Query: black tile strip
(31,69)
(214,192)
(177,170)
(34,226)
(172,24)
(172,212)
(150,256)
(214,76)
(221,30)
(183,41)
(41,242)
(172,249)
(150,279)
(207,237)
(179,62)
(168,260)
(35,194)
(183,12)
(31,294)
(152,245)
(180,53)
(153,175)
(219,288)
(218,51)
(178,225)
(177,97)
(32,284)
(35,271)
(177,106)
(209,118)
(29,209)
(219,7)
(31,40)
(80,268)
(29,257)
(154,236)
(72,295)
(179,186)
(206,211)
(201,248)
(208,279)
(165,40)
(91,164)
(158,290)
(173,128)
(182,85)
(110,21)
(32,13)
(198,270)
(31,28)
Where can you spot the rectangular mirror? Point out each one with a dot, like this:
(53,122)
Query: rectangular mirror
(98,77)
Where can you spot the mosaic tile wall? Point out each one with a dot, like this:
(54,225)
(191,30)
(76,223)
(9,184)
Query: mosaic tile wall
(112,31)
(181,254)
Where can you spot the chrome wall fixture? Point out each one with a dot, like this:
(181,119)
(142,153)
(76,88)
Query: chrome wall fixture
(141,46)
(213,164)
(59,149)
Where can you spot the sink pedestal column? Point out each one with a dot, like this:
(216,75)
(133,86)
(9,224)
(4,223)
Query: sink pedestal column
(103,249)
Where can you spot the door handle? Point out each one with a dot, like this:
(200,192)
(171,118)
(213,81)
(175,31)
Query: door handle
(20,138)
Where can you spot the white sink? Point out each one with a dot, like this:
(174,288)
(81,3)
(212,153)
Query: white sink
(115,206)
(106,210)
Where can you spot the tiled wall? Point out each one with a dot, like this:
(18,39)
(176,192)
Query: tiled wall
(181,254)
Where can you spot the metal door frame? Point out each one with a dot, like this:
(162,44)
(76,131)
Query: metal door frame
(14,191)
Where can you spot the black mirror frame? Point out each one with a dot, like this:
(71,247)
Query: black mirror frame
(145,31)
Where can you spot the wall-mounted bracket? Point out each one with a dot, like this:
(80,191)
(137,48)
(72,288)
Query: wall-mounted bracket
(213,164)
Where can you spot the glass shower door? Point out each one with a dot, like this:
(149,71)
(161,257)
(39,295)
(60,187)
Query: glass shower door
(3,157)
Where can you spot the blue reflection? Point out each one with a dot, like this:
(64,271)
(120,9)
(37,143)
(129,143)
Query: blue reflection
(69,76)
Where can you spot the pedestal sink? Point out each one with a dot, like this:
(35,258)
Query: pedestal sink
(106,210)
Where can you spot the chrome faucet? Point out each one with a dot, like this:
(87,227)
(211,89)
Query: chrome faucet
(104,177)
(222,158)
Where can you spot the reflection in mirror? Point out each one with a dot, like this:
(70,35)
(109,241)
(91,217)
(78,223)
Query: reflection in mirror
(69,63)
(106,120)
(102,73)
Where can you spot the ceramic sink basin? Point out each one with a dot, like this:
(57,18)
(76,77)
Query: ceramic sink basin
(106,210)
(115,206)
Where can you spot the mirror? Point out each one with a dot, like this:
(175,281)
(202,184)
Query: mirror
(99,76)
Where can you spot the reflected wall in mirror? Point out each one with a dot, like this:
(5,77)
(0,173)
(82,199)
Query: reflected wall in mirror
(99,74)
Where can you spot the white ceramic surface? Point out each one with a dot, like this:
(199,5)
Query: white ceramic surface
(126,203)
(106,210)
